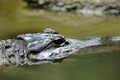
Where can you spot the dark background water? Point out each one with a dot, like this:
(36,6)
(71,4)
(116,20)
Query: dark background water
(91,64)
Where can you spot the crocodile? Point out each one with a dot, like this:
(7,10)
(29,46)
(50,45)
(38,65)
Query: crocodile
(47,46)
(87,7)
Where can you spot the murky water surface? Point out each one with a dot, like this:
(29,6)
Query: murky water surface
(93,64)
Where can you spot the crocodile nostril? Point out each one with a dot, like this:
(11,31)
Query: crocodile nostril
(22,56)
(7,47)
(12,55)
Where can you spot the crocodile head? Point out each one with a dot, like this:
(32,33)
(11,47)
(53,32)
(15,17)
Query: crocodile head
(47,46)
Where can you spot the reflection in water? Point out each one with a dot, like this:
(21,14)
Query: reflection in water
(14,20)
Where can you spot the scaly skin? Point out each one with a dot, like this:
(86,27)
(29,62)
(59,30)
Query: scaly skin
(44,47)
(86,7)
(12,51)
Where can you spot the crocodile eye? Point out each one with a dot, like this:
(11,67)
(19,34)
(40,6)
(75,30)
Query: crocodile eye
(59,41)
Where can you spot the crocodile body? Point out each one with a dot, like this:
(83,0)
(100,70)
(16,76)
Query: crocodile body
(44,47)
(87,7)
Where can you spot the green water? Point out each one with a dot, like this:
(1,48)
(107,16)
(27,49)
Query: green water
(95,64)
